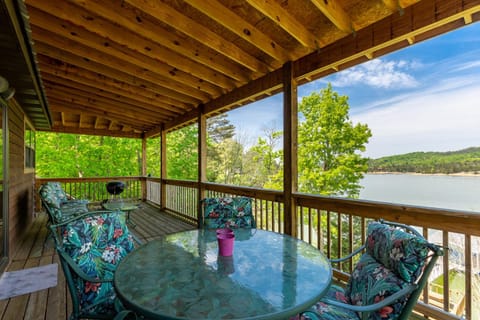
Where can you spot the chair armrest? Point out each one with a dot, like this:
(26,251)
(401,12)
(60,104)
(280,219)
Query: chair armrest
(79,271)
(375,306)
(354,253)
(136,239)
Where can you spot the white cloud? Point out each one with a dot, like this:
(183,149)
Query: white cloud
(379,73)
(430,121)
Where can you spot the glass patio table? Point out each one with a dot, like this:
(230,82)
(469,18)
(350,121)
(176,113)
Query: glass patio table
(126,206)
(181,276)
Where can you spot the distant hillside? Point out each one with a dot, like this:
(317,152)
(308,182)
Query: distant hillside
(465,160)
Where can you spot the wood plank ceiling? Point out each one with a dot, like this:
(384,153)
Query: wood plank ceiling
(125,67)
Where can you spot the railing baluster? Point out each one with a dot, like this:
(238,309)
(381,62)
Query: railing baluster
(350,241)
(329,236)
(339,239)
(468,277)
(310,225)
(446,269)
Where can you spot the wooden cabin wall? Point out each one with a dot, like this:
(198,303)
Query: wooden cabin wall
(21,194)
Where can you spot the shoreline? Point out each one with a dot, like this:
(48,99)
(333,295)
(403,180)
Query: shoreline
(457,174)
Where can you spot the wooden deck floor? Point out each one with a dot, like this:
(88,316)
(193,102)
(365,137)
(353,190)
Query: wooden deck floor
(37,250)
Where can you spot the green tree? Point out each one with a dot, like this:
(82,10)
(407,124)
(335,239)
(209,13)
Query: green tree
(230,164)
(70,156)
(266,161)
(182,153)
(223,161)
(328,146)
(153,157)
(219,128)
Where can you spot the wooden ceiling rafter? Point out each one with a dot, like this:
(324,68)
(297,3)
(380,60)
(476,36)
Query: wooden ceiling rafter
(193,49)
(393,5)
(113,73)
(195,30)
(129,67)
(134,66)
(130,112)
(110,48)
(217,11)
(74,105)
(61,104)
(336,14)
(115,99)
(103,29)
(50,75)
(63,70)
(282,17)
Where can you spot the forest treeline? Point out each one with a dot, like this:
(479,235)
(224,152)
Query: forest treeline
(329,152)
(465,160)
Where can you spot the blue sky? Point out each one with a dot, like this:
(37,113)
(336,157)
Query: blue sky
(423,98)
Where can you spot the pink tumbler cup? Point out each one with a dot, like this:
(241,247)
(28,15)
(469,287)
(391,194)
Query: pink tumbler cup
(224,230)
(225,244)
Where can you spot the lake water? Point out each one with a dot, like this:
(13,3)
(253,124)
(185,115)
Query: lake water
(440,191)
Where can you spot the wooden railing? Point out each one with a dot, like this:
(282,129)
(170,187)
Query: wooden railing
(94,189)
(336,226)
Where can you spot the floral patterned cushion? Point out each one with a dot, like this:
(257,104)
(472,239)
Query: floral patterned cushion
(228,213)
(97,244)
(53,194)
(401,252)
(371,282)
(326,311)
(58,204)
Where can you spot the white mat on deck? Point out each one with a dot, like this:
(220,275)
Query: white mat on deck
(15,283)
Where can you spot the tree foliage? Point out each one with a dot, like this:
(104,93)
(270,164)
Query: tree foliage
(265,162)
(328,146)
(465,160)
(182,153)
(153,157)
(70,156)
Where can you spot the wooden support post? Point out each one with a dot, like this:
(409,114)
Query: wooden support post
(144,168)
(202,161)
(290,175)
(163,168)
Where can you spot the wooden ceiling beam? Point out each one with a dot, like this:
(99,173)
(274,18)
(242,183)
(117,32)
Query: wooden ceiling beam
(96,124)
(73,80)
(107,30)
(80,121)
(203,82)
(61,105)
(57,68)
(113,73)
(99,132)
(132,21)
(218,12)
(287,22)
(101,105)
(335,13)
(126,66)
(393,5)
(120,100)
(195,30)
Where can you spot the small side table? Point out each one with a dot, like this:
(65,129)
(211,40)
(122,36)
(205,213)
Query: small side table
(127,207)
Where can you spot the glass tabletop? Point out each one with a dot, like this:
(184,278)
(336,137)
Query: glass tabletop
(181,276)
(120,205)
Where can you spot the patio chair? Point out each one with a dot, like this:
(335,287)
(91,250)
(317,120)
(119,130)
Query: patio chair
(227,212)
(57,203)
(90,247)
(387,280)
